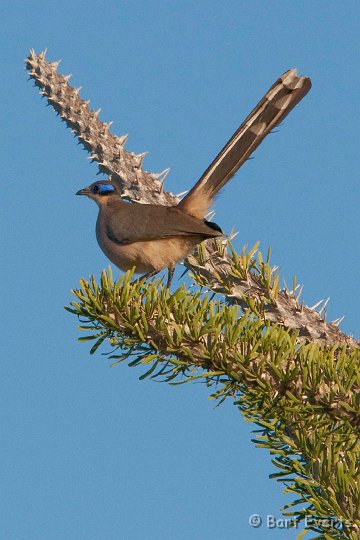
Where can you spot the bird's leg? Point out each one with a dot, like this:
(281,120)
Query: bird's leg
(147,275)
(171,270)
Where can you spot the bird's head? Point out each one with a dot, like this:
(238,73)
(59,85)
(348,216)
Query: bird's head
(100,191)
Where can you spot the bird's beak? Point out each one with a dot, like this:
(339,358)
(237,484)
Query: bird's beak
(84,191)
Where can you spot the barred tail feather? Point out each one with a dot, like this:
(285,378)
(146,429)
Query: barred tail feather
(280,99)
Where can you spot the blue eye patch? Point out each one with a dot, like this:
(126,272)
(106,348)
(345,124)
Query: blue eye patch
(103,189)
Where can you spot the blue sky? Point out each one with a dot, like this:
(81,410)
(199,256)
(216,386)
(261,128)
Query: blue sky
(90,452)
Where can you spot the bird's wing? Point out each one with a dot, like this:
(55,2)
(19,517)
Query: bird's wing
(129,223)
(280,99)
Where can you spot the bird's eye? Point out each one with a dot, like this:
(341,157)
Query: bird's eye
(96,189)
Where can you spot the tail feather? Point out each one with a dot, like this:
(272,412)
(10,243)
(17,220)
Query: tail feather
(280,99)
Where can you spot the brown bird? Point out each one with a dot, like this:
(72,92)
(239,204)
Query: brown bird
(153,237)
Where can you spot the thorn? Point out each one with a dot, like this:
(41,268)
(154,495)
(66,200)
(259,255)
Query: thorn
(317,304)
(67,77)
(109,124)
(338,321)
(96,113)
(323,306)
(292,291)
(182,193)
(161,176)
(77,90)
(122,140)
(139,158)
(299,293)
(55,65)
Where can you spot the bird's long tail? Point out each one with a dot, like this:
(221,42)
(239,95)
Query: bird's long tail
(280,99)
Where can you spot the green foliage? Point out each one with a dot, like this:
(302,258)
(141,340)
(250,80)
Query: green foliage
(304,397)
